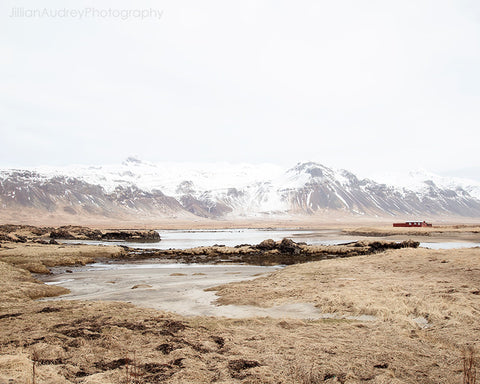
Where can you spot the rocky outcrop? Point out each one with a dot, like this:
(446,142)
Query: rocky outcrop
(71,232)
(22,233)
(289,246)
(268,252)
(267,245)
(47,235)
(37,231)
(147,236)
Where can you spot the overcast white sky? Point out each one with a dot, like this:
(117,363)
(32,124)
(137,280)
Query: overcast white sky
(364,85)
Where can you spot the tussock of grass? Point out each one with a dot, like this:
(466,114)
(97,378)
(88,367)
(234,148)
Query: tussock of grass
(37,258)
(17,284)
(470,362)
(395,286)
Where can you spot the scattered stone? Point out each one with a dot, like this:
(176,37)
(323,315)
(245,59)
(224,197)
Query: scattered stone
(141,286)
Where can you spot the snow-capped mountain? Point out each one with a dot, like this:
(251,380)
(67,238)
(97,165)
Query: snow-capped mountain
(157,190)
(419,180)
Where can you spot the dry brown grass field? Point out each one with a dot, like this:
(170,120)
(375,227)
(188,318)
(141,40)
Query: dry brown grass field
(424,308)
(459,232)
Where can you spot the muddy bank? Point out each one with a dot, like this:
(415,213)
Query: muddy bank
(84,233)
(268,252)
(45,235)
(179,288)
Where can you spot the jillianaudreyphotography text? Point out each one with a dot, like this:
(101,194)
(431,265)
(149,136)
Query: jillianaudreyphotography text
(87,13)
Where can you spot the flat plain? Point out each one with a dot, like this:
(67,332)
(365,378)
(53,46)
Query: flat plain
(417,315)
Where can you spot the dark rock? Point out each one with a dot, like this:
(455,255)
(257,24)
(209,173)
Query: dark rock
(289,246)
(138,236)
(267,245)
(242,245)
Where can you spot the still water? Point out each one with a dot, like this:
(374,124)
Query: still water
(183,239)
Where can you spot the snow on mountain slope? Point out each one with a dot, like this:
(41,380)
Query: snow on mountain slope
(420,180)
(203,188)
(167,176)
(234,190)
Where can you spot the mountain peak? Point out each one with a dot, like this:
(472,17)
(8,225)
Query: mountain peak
(243,190)
(132,160)
(312,168)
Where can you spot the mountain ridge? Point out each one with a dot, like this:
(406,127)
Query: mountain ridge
(217,191)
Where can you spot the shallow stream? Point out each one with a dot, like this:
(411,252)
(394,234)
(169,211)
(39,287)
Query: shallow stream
(183,239)
(181,288)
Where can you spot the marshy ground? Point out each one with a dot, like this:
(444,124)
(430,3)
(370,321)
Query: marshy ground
(423,307)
